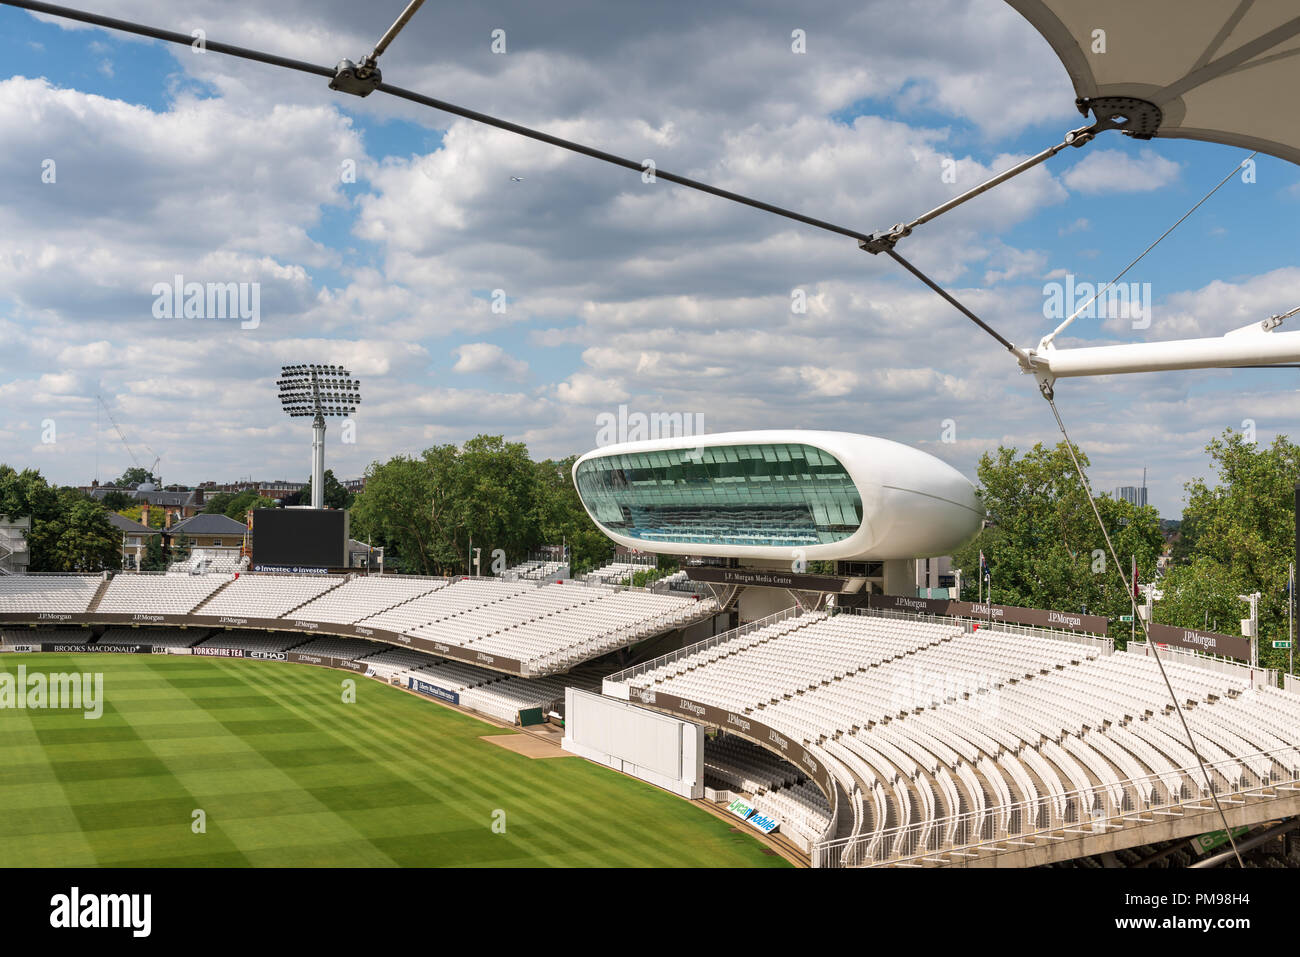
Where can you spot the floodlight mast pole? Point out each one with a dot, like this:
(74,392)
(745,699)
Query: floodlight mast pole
(317,447)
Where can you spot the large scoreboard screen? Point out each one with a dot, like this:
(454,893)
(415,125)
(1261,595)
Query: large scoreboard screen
(299,539)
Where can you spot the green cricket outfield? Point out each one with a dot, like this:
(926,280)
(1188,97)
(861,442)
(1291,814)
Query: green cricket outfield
(281,771)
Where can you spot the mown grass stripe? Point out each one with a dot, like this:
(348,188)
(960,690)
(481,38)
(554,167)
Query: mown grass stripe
(293,776)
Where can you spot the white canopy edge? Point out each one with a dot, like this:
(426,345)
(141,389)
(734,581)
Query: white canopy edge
(1169,97)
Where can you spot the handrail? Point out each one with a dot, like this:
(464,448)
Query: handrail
(627,673)
(615,639)
(970,625)
(1211,662)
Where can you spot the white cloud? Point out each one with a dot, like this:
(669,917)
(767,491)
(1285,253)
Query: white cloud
(617,291)
(582,388)
(1116,171)
(485,357)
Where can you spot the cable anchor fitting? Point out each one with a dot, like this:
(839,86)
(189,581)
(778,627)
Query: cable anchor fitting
(359,79)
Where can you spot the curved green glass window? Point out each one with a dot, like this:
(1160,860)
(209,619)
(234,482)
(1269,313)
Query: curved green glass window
(782,495)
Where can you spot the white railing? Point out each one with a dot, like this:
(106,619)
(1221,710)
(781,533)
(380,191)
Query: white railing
(1002,829)
(626,635)
(1291,683)
(1104,646)
(711,642)
(1256,677)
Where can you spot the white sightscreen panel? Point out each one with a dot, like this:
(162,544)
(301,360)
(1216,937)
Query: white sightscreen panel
(632,734)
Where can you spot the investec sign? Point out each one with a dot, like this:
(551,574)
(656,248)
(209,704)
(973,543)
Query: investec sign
(1035,617)
(1230,646)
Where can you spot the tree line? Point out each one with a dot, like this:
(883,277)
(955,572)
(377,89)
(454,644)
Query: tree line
(1237,536)
(426,509)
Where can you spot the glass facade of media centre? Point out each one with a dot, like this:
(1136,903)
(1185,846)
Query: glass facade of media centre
(774,495)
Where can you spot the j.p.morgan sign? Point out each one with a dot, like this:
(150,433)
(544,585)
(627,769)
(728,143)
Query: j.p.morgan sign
(1230,646)
(1036,617)
(767,579)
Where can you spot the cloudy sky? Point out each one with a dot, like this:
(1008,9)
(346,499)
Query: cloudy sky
(479,282)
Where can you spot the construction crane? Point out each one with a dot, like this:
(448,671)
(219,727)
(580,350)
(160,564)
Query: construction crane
(126,445)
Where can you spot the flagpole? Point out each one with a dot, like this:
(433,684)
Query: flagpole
(990,601)
(1132,628)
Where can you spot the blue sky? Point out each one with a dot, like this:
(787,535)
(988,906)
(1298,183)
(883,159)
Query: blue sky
(172,162)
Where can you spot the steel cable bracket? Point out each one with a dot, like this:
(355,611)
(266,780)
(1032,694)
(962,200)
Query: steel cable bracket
(357,80)
(1136,117)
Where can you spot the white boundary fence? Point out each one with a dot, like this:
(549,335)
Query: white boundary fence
(677,618)
(1104,645)
(626,674)
(1257,677)
(1003,829)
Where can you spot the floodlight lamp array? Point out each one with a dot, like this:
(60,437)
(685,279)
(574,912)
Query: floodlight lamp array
(324,390)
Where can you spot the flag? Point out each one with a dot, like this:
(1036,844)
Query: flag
(984,567)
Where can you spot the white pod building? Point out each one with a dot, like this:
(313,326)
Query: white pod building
(763,495)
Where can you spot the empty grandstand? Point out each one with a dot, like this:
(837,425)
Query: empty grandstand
(864,737)
(537,571)
(47,595)
(128,594)
(523,627)
(620,572)
(873,737)
(945,742)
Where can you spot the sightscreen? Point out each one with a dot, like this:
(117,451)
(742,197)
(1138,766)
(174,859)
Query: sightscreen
(299,539)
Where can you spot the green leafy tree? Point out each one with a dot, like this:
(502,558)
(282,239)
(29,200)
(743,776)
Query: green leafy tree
(564,520)
(494,498)
(86,541)
(237,507)
(154,558)
(1243,542)
(70,531)
(425,511)
(395,511)
(26,493)
(115,501)
(1043,545)
(134,477)
(157,516)
(336,494)
(218,503)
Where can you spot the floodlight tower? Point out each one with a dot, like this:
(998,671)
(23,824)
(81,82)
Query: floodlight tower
(318,391)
